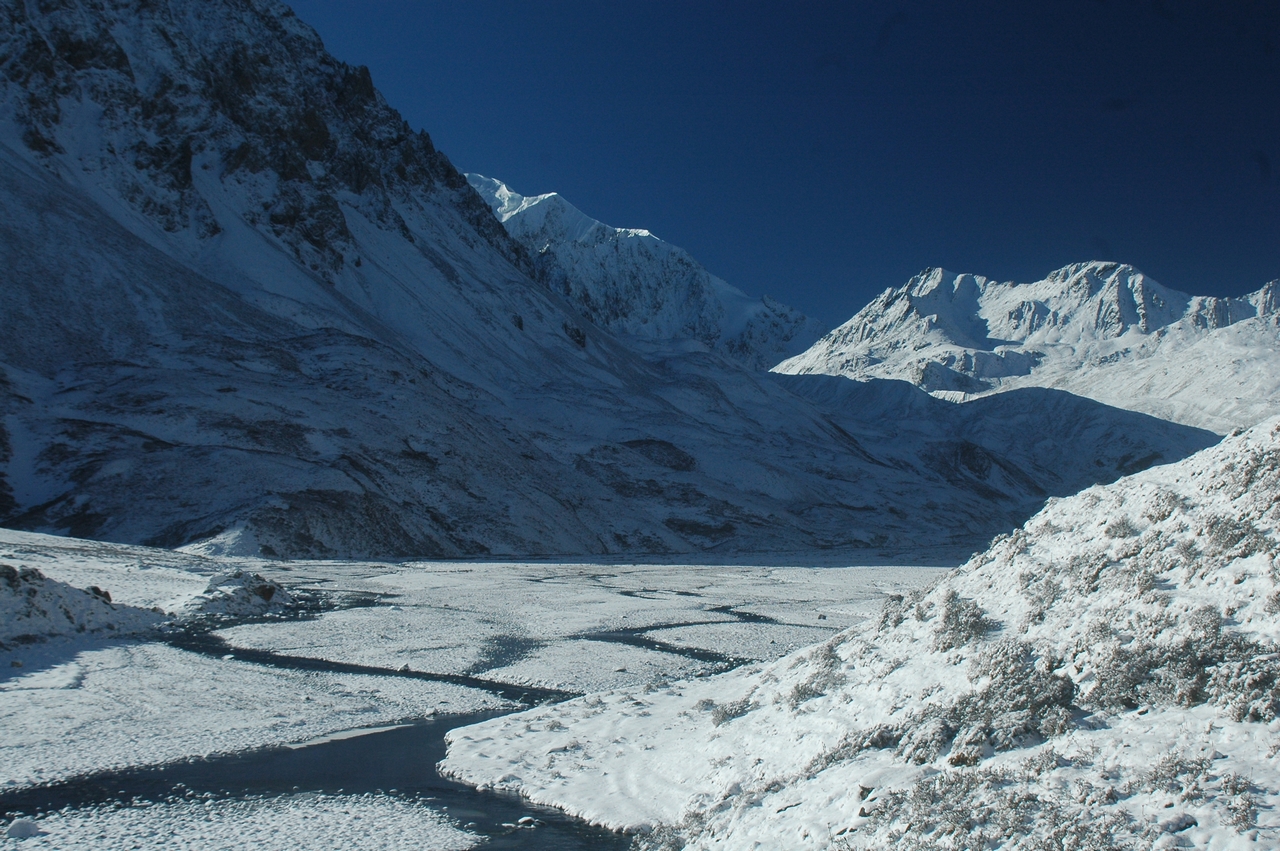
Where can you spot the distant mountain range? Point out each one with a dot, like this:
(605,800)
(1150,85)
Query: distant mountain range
(1101,330)
(246,308)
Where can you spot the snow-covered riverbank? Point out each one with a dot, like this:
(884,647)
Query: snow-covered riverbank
(1107,676)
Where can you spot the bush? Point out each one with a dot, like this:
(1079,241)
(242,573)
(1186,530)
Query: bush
(1021,703)
(1162,505)
(726,712)
(968,810)
(961,621)
(1121,527)
(826,676)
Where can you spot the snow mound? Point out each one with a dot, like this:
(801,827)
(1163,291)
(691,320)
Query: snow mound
(22,829)
(35,607)
(1101,330)
(236,593)
(1108,676)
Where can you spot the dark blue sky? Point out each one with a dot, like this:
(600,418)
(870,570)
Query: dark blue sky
(820,152)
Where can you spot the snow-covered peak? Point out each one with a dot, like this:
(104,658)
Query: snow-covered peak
(634,284)
(498,195)
(1087,327)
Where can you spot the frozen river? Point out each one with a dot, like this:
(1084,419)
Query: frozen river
(196,734)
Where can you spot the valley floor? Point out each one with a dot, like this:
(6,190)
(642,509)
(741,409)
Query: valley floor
(376,645)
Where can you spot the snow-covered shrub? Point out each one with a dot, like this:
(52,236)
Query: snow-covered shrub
(1243,804)
(662,838)
(899,607)
(1021,702)
(825,675)
(726,712)
(960,621)
(1121,527)
(1234,538)
(980,809)
(1162,505)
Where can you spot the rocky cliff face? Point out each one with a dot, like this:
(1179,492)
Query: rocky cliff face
(634,284)
(1102,330)
(158,105)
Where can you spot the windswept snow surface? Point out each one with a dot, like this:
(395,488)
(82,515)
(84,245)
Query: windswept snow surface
(1101,330)
(636,285)
(1108,676)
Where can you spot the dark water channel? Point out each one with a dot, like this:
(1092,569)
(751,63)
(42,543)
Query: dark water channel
(402,760)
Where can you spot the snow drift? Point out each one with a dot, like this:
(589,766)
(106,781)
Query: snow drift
(1106,676)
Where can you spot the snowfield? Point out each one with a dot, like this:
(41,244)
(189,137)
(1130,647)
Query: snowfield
(337,822)
(1106,676)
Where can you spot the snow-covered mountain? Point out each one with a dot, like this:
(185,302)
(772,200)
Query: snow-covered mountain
(246,308)
(1101,330)
(634,284)
(1108,676)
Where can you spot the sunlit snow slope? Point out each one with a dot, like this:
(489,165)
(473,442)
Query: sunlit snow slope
(633,283)
(1108,676)
(1101,330)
